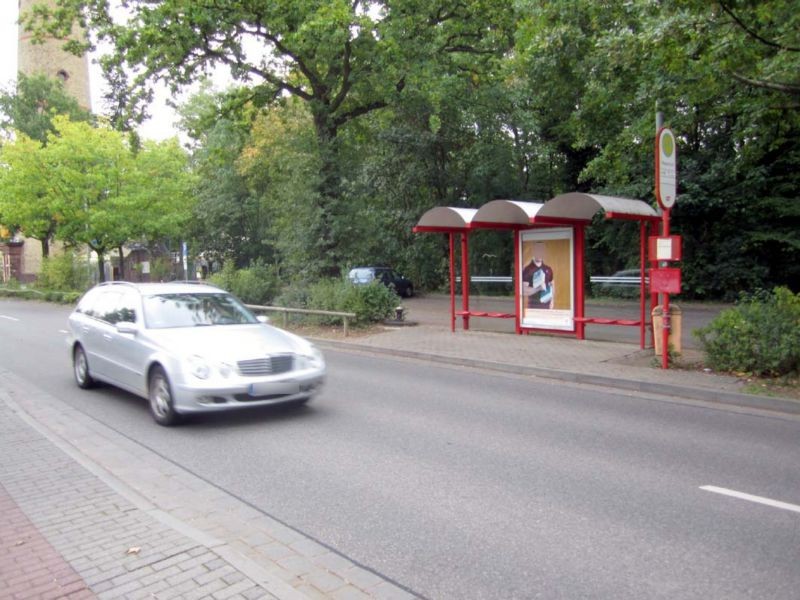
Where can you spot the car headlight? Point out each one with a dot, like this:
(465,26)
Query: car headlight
(199,367)
(310,359)
(202,369)
(225,369)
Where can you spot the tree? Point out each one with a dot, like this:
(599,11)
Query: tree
(91,188)
(344,59)
(25,204)
(29,110)
(722,73)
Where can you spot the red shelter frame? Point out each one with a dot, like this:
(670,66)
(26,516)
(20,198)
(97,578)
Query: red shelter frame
(574,210)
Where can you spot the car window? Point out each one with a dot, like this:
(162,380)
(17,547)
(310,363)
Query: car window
(105,308)
(164,311)
(128,306)
(87,302)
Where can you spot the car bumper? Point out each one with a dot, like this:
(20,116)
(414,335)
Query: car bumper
(216,396)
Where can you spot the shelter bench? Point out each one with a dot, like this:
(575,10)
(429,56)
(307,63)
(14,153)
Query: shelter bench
(479,313)
(603,321)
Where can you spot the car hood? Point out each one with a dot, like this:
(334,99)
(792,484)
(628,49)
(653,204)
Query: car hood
(229,342)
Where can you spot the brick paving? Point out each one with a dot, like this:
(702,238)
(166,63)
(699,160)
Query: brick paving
(30,567)
(67,534)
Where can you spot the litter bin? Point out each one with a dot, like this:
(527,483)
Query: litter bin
(674,340)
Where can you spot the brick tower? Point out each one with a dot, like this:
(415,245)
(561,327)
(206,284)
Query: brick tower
(50,59)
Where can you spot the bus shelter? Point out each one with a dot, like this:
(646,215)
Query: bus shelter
(549,257)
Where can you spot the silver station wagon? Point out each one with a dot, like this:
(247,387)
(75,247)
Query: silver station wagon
(188,348)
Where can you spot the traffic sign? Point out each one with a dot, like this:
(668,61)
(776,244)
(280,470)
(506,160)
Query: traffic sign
(666,168)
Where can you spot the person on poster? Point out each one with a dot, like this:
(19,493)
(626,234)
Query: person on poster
(537,280)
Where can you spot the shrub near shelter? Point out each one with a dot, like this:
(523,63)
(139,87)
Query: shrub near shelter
(760,335)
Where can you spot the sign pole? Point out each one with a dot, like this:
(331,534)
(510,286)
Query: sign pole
(666,188)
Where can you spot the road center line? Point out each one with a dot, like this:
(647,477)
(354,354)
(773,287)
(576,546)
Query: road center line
(9,318)
(751,498)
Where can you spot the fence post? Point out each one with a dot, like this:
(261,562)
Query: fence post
(285,319)
(345,325)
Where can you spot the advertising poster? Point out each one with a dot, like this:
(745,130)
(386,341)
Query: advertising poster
(547,279)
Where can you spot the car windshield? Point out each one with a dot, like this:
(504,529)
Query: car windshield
(163,311)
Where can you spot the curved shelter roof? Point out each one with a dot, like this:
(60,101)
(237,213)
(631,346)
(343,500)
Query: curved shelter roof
(507,213)
(576,206)
(564,208)
(446,218)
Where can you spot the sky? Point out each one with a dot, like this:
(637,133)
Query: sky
(159,127)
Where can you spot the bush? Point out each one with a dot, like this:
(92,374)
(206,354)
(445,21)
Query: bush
(760,335)
(256,284)
(63,273)
(371,303)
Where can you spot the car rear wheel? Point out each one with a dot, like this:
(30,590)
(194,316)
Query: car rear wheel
(80,367)
(409,291)
(160,397)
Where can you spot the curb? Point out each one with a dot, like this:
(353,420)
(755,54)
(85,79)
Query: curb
(768,403)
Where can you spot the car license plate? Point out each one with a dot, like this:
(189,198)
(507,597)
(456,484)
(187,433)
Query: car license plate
(267,389)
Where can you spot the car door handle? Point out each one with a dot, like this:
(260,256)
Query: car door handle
(107,336)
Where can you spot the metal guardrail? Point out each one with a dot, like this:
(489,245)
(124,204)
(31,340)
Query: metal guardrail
(596,279)
(486,279)
(618,280)
(282,309)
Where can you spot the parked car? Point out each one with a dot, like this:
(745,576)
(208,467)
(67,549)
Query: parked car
(386,276)
(625,283)
(188,348)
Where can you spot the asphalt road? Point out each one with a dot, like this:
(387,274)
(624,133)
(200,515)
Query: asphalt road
(467,485)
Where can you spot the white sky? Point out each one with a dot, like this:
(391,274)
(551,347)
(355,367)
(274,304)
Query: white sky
(161,126)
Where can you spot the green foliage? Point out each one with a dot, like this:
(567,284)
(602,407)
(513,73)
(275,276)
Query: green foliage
(64,272)
(256,284)
(88,186)
(371,303)
(30,107)
(32,294)
(760,335)
(369,114)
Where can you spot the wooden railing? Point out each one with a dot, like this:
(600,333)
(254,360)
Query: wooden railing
(345,316)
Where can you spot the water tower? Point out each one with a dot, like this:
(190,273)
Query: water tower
(49,58)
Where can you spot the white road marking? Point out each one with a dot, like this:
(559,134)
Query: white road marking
(751,498)
(9,318)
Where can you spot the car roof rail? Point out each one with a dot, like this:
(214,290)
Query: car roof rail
(118,282)
(194,282)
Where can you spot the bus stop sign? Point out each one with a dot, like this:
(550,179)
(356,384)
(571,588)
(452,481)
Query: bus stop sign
(666,168)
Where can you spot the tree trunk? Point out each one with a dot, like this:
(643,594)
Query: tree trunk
(121,264)
(45,241)
(329,190)
(101,266)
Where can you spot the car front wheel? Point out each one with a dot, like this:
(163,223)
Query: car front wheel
(160,397)
(80,367)
(409,291)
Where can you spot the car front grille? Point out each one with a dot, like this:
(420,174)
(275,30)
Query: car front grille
(268,365)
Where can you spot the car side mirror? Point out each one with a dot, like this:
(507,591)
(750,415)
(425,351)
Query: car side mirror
(127,327)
